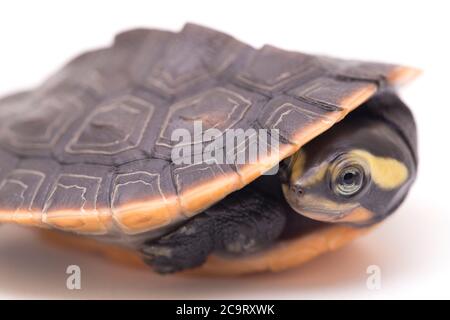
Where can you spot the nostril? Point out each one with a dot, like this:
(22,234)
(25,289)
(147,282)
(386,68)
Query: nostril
(298,190)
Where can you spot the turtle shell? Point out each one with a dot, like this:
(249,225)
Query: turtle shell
(89,150)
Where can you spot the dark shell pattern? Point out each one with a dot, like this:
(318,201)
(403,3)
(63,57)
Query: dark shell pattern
(89,151)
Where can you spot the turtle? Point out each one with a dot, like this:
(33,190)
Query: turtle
(91,151)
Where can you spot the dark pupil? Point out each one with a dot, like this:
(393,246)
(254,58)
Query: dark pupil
(350,181)
(350,177)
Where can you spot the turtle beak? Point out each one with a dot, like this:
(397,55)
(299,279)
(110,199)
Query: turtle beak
(316,206)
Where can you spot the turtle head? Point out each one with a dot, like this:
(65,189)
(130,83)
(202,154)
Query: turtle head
(355,173)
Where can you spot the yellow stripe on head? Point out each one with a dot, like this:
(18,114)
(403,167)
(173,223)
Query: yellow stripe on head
(298,170)
(298,166)
(387,173)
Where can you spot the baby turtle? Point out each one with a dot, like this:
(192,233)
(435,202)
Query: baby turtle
(92,151)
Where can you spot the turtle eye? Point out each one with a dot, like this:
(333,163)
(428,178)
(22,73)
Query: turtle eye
(349,181)
(349,176)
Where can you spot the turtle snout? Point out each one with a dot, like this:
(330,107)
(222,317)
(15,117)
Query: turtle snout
(297,189)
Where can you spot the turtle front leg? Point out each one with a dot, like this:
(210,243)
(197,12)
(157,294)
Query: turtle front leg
(242,223)
(185,248)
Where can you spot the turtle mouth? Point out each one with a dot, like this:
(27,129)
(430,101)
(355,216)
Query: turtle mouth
(318,208)
(312,219)
(319,214)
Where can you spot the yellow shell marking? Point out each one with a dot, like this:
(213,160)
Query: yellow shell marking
(387,173)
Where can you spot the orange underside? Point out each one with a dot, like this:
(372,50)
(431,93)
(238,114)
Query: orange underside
(283,255)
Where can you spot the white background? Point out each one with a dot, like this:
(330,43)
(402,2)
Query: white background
(412,248)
